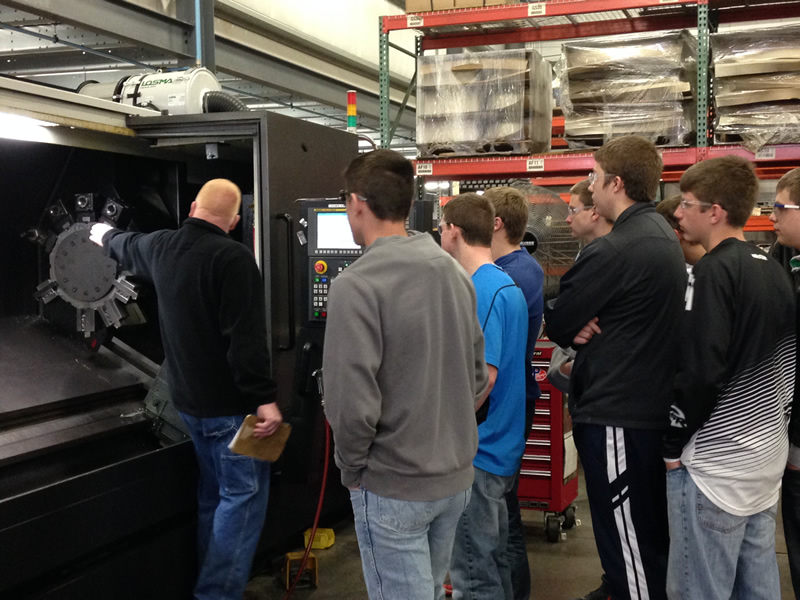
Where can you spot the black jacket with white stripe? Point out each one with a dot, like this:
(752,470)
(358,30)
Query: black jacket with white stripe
(734,388)
(633,281)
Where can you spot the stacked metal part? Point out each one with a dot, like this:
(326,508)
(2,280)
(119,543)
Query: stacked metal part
(630,85)
(757,86)
(484,102)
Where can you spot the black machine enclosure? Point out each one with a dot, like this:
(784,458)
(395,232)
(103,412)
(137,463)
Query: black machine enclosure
(108,510)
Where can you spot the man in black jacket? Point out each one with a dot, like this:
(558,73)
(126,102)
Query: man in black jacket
(213,327)
(727,444)
(618,306)
(786,219)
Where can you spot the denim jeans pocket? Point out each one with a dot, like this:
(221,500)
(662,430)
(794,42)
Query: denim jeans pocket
(679,470)
(491,486)
(403,516)
(676,486)
(215,427)
(713,518)
(238,474)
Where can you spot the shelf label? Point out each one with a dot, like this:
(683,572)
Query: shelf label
(766,154)
(669,1)
(535,164)
(424,169)
(537,9)
(414,21)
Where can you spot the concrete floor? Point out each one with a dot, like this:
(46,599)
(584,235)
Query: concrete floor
(562,571)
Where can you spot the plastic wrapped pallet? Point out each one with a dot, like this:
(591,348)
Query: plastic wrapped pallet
(629,85)
(757,86)
(483,102)
(759,124)
(751,89)
(766,50)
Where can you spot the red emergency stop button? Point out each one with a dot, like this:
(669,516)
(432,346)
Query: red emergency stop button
(321,267)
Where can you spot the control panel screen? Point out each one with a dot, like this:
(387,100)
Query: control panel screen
(333,231)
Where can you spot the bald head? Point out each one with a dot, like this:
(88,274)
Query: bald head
(220,197)
(218,202)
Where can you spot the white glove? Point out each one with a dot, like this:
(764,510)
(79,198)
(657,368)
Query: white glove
(98,231)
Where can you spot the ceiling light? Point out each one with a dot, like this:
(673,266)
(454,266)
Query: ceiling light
(18,127)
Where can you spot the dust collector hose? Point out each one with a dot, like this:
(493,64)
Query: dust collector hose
(222,102)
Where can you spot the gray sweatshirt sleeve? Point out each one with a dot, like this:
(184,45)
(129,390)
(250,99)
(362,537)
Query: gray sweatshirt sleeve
(560,357)
(351,359)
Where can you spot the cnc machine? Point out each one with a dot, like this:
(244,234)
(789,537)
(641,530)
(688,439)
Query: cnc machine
(97,478)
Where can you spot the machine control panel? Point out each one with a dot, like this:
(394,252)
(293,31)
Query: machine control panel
(331,249)
(320,284)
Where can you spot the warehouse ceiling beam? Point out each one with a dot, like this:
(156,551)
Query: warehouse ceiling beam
(241,61)
(122,22)
(104,54)
(265,61)
(243,27)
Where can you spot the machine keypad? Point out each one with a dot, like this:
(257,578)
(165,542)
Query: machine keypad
(319,285)
(319,297)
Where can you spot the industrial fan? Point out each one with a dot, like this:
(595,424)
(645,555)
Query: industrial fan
(547,235)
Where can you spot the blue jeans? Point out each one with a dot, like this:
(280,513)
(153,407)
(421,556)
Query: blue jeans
(405,545)
(715,555)
(479,568)
(516,552)
(231,506)
(790,509)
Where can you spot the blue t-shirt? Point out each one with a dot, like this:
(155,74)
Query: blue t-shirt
(529,277)
(503,315)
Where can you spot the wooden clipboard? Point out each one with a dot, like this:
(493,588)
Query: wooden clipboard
(268,448)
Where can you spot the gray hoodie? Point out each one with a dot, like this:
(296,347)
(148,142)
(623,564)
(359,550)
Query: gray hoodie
(404,366)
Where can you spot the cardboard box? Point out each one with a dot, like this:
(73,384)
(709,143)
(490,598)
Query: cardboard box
(415,6)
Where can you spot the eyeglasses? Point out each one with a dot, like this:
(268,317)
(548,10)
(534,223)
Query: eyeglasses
(344,195)
(574,210)
(593,177)
(777,207)
(687,203)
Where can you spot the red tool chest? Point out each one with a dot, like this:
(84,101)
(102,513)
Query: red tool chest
(543,483)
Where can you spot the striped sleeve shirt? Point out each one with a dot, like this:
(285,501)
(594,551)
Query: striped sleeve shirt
(733,392)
